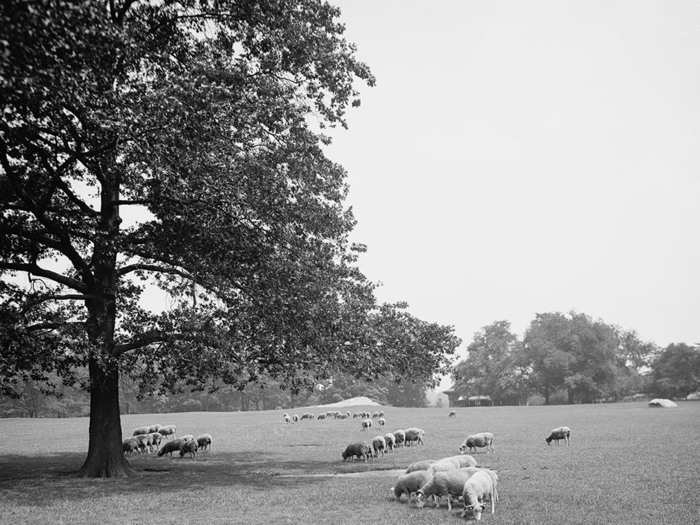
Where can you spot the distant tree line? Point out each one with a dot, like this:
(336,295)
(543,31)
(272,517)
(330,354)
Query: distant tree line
(572,358)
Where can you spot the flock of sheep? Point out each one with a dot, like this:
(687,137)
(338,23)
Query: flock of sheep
(149,438)
(459,476)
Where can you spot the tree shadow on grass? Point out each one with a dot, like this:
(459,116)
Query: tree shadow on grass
(41,480)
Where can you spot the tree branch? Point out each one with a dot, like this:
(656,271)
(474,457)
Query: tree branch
(145,339)
(42,272)
(153,268)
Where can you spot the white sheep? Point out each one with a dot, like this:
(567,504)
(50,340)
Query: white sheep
(409,484)
(366,423)
(167,430)
(424,464)
(478,488)
(295,418)
(189,447)
(187,437)
(156,439)
(452,414)
(390,441)
(400,437)
(559,433)
(286,418)
(448,483)
(378,445)
(130,446)
(171,446)
(141,431)
(204,442)
(381,421)
(482,439)
(153,428)
(414,435)
(452,462)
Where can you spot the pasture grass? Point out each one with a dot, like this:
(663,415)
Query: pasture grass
(627,464)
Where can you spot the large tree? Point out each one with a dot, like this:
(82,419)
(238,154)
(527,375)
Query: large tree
(177,142)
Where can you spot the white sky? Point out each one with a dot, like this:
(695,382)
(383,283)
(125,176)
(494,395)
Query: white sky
(520,157)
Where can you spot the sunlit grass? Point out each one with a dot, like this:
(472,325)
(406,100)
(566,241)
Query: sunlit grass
(626,464)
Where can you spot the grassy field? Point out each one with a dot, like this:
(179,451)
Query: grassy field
(627,464)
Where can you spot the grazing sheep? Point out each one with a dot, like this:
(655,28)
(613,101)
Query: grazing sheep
(156,439)
(381,421)
(409,484)
(348,414)
(130,446)
(390,441)
(482,439)
(559,433)
(187,437)
(479,487)
(171,446)
(356,415)
(295,418)
(140,431)
(375,415)
(321,416)
(424,464)
(378,445)
(452,462)
(167,430)
(360,450)
(414,435)
(287,419)
(204,442)
(366,423)
(153,428)
(400,437)
(307,415)
(448,483)
(144,442)
(452,414)
(190,447)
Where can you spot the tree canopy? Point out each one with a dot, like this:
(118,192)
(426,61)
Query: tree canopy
(179,143)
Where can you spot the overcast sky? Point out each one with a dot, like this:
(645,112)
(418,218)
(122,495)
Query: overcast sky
(520,157)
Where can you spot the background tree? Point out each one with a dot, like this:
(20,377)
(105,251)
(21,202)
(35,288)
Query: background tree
(493,366)
(170,142)
(676,371)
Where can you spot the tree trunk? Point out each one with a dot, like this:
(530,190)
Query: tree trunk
(105,458)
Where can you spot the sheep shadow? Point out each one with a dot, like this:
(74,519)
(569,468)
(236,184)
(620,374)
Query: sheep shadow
(54,477)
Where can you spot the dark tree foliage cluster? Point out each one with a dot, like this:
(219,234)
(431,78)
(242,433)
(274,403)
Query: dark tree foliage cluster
(571,354)
(179,142)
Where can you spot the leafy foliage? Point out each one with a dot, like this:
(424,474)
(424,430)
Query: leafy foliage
(677,371)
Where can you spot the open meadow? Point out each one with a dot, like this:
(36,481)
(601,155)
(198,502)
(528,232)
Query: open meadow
(627,464)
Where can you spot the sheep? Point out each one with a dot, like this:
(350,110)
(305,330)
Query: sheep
(447,483)
(144,442)
(171,446)
(348,414)
(356,415)
(482,439)
(379,445)
(307,415)
(187,437)
(287,419)
(409,484)
(375,415)
(130,446)
(452,414)
(479,487)
(295,418)
(400,437)
(414,435)
(153,428)
(167,430)
(359,450)
(559,433)
(204,442)
(424,464)
(156,439)
(140,431)
(452,462)
(390,441)
(321,416)
(366,423)
(381,421)
(190,447)
(380,413)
